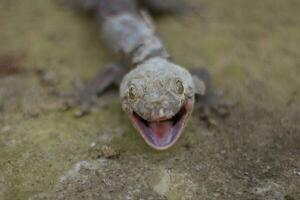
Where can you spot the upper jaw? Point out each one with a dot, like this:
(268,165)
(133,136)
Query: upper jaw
(163,132)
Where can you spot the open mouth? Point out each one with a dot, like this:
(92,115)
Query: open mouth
(164,133)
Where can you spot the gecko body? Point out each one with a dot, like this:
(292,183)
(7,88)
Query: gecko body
(157,94)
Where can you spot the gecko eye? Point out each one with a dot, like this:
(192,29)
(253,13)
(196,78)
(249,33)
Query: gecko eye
(132,92)
(179,86)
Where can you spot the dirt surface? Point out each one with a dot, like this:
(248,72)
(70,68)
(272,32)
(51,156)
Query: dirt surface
(251,49)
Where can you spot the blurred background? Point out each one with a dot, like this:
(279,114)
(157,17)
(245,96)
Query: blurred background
(252,50)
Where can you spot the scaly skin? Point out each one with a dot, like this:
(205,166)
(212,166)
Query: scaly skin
(157,95)
(157,91)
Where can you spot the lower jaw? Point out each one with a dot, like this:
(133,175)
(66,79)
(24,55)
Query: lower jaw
(171,136)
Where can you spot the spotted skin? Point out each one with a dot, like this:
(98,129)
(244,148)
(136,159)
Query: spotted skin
(157,94)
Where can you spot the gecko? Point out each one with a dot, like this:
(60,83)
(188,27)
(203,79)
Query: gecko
(157,95)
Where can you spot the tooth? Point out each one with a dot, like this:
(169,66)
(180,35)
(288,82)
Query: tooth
(161,112)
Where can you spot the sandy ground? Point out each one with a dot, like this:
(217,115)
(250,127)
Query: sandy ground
(251,49)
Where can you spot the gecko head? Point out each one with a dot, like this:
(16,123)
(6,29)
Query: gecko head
(158,97)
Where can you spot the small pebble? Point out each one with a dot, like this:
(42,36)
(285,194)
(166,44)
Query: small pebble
(93,144)
(109,152)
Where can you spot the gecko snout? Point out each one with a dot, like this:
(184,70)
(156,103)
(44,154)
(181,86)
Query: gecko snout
(159,109)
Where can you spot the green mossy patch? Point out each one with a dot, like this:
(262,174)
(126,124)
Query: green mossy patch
(251,49)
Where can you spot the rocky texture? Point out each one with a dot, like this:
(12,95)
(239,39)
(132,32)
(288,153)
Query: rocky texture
(251,48)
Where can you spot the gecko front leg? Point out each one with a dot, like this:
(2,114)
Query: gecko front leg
(87,95)
(210,103)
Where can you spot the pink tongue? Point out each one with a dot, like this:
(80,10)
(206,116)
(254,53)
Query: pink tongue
(160,129)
